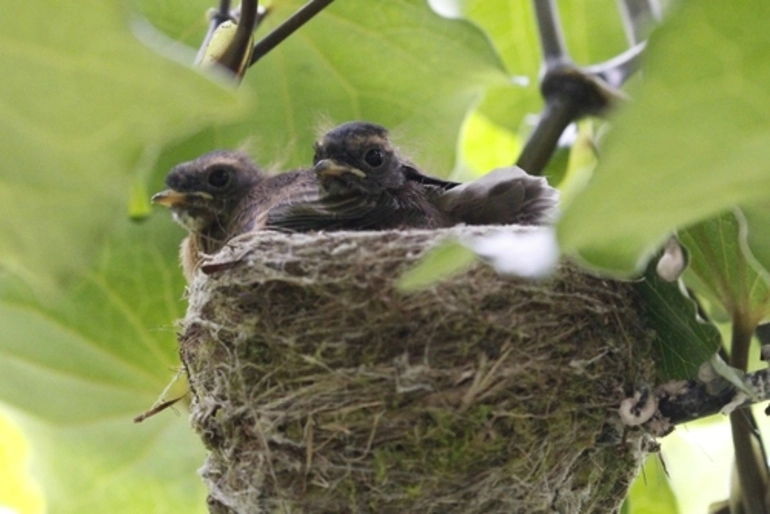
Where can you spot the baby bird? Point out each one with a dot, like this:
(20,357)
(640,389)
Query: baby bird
(223,194)
(365,184)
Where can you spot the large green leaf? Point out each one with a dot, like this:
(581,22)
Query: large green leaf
(83,104)
(692,143)
(80,366)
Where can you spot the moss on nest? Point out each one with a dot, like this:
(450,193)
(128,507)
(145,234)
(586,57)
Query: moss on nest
(318,387)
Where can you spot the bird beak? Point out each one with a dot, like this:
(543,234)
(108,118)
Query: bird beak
(173,198)
(330,168)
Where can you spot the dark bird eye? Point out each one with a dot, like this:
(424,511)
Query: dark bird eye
(374,157)
(218,178)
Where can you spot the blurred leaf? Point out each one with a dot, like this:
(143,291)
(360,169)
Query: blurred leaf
(651,492)
(82,364)
(440,262)
(82,101)
(682,342)
(719,269)
(692,144)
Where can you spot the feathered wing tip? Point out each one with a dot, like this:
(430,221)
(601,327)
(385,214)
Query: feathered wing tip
(501,197)
(541,202)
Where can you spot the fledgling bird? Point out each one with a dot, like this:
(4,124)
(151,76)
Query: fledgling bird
(223,194)
(367,185)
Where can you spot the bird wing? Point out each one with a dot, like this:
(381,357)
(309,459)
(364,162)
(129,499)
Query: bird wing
(503,196)
(329,213)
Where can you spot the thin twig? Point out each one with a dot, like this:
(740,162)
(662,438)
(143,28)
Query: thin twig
(551,37)
(302,16)
(637,16)
(236,52)
(617,70)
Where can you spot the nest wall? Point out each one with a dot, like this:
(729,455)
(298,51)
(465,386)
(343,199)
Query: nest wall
(320,387)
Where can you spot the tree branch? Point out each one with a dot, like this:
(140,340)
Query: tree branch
(571,92)
(638,15)
(551,36)
(302,16)
(236,53)
(684,401)
(617,70)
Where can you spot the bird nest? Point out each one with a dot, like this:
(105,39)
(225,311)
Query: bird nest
(320,387)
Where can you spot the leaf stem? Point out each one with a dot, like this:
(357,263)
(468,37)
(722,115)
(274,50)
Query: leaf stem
(752,469)
(288,27)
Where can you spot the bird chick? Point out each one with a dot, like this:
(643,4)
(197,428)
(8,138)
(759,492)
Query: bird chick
(365,184)
(223,194)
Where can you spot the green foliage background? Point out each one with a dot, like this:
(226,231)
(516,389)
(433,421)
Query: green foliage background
(99,101)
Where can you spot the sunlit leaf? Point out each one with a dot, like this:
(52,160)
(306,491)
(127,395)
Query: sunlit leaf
(692,143)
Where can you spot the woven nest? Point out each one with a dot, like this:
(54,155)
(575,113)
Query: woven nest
(319,387)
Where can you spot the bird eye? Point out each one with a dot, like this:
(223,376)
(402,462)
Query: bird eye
(219,177)
(374,157)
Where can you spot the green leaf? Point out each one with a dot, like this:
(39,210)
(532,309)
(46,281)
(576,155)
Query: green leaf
(692,144)
(85,101)
(82,363)
(682,342)
(440,262)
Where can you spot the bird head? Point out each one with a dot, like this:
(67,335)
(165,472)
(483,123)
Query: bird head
(357,157)
(204,191)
